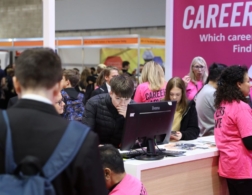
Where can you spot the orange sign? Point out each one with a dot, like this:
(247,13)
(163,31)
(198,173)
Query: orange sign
(69,42)
(152,41)
(28,43)
(5,44)
(111,41)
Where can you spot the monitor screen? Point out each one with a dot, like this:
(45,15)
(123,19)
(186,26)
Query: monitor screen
(147,120)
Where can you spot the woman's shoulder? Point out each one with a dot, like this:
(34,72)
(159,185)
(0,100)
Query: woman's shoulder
(144,85)
(236,105)
(243,105)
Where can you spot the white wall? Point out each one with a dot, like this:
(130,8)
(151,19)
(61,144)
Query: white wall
(79,58)
(106,14)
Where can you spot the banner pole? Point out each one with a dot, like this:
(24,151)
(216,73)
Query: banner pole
(169,39)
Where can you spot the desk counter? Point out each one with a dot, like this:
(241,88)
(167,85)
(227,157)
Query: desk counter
(194,173)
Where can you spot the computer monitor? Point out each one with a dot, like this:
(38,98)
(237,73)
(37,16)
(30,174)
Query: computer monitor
(148,120)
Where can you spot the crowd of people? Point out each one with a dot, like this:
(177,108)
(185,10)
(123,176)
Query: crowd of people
(210,101)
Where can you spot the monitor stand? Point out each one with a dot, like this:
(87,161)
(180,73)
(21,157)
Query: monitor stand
(151,152)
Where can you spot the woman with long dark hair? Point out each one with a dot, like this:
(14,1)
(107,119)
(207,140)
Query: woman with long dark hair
(233,129)
(185,123)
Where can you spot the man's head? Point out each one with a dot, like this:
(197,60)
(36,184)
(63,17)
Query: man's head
(92,69)
(215,71)
(112,164)
(125,65)
(122,88)
(37,69)
(70,78)
(109,73)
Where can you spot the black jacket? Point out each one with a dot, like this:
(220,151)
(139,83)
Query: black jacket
(36,130)
(12,101)
(103,118)
(189,123)
(102,89)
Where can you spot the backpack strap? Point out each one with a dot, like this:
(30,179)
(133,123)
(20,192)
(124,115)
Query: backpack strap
(10,164)
(66,150)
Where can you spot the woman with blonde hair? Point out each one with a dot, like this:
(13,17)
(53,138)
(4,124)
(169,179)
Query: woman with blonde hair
(185,123)
(197,77)
(152,88)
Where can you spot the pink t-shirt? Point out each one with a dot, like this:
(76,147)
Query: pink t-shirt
(144,94)
(129,185)
(192,89)
(233,121)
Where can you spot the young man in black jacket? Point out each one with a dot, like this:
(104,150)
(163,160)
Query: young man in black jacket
(105,113)
(37,128)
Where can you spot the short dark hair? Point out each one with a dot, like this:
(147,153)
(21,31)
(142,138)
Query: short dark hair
(73,76)
(125,63)
(122,85)
(227,90)
(111,158)
(215,71)
(38,67)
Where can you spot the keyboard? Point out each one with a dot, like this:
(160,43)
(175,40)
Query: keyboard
(162,151)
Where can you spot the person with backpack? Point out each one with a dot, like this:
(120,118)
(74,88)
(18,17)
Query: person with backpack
(41,153)
(74,100)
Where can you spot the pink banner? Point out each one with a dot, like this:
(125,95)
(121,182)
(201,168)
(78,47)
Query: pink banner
(218,31)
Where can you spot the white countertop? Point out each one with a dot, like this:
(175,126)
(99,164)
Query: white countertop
(134,167)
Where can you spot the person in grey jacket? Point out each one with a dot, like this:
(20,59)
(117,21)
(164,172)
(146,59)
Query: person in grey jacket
(105,113)
(205,100)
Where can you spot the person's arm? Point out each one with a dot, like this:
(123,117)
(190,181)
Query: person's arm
(186,79)
(244,120)
(191,91)
(189,128)
(247,141)
(89,114)
(2,144)
(88,173)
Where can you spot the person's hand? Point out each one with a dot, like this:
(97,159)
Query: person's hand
(186,79)
(176,136)
(122,110)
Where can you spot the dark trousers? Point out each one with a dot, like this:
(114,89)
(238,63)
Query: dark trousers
(239,186)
